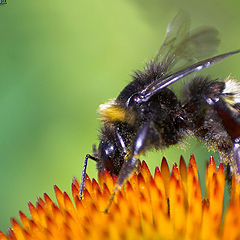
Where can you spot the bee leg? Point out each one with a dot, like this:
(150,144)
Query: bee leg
(131,162)
(82,185)
(236,152)
(231,123)
(228,176)
(138,145)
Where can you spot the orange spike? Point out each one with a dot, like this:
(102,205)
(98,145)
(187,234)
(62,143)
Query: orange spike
(13,222)
(131,195)
(145,171)
(88,183)
(192,161)
(100,179)
(231,228)
(212,215)
(183,170)
(68,204)
(33,211)
(101,200)
(211,170)
(172,190)
(2,236)
(106,193)
(157,171)
(57,216)
(183,174)
(16,228)
(79,205)
(95,184)
(41,202)
(175,171)
(180,214)
(41,215)
(128,187)
(75,191)
(108,180)
(221,176)
(142,185)
(193,185)
(119,196)
(95,187)
(132,198)
(140,179)
(59,196)
(93,207)
(165,175)
(47,199)
(190,169)
(159,182)
(145,208)
(221,168)
(156,196)
(11,234)
(212,162)
(194,202)
(38,207)
(24,220)
(76,183)
(86,196)
(134,181)
(176,203)
(219,193)
(115,178)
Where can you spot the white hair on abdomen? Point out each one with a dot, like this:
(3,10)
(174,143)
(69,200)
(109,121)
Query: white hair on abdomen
(232,90)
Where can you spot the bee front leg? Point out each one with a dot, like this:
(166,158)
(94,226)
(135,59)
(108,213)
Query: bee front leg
(82,185)
(131,161)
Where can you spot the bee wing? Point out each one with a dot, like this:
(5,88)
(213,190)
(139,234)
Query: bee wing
(179,49)
(182,47)
(163,82)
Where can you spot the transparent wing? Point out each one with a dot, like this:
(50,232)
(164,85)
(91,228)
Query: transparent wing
(161,83)
(182,47)
(180,53)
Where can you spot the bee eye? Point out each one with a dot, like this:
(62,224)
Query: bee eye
(107,151)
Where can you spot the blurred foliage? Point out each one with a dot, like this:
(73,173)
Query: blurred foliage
(59,60)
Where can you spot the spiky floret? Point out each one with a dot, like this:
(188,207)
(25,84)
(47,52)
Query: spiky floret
(166,205)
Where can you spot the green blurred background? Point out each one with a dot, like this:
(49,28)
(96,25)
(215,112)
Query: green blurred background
(59,60)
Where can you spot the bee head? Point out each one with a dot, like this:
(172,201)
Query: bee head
(110,153)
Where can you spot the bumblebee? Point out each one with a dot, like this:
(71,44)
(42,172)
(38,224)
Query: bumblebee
(148,115)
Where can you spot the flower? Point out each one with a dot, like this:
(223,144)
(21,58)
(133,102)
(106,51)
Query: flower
(160,206)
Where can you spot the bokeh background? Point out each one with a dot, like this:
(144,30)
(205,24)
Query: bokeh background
(59,60)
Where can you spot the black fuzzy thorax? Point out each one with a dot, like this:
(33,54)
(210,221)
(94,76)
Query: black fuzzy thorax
(141,79)
(163,110)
